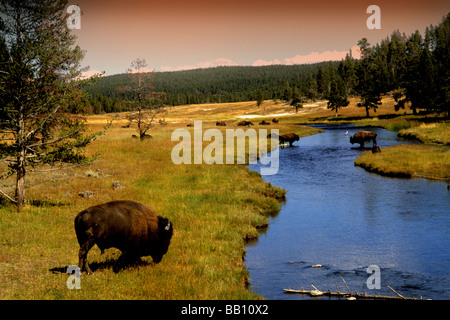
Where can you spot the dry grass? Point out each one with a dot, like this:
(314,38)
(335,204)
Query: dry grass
(429,133)
(214,209)
(424,161)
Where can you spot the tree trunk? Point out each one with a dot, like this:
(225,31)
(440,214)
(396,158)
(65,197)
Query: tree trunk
(367,111)
(20,180)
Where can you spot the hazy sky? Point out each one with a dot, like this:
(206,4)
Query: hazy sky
(183,34)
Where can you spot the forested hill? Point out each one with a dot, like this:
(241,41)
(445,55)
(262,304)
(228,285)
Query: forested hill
(415,69)
(220,84)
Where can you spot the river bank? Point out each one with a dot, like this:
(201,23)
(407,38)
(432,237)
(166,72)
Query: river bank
(346,219)
(430,159)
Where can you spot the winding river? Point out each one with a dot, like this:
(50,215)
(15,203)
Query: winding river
(346,219)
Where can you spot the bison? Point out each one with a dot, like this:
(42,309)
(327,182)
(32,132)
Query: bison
(275,120)
(264,123)
(221,123)
(244,123)
(289,137)
(364,136)
(131,227)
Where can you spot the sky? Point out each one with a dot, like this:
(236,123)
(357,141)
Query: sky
(176,35)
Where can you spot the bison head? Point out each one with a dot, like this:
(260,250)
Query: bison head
(352,141)
(165,231)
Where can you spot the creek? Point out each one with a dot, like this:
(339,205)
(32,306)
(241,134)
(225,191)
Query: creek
(346,219)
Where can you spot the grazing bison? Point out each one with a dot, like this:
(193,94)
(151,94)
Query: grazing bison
(131,227)
(244,123)
(264,123)
(289,137)
(364,136)
(275,120)
(221,123)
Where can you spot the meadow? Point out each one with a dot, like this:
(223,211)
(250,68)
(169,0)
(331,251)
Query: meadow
(214,209)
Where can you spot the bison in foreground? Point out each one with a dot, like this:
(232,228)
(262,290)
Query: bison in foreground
(364,136)
(131,227)
(289,137)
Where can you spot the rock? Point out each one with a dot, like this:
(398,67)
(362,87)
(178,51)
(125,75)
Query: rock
(117,185)
(86,194)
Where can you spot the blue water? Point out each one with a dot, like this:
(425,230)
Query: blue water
(346,219)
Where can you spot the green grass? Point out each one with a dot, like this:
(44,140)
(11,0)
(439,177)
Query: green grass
(429,133)
(424,161)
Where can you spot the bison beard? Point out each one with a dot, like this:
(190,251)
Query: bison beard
(131,227)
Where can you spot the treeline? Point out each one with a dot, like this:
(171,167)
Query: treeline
(215,85)
(414,69)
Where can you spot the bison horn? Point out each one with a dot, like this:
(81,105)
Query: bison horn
(167,227)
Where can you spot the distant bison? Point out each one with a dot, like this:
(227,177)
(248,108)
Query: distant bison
(376,149)
(221,123)
(245,123)
(364,136)
(275,120)
(131,227)
(264,123)
(289,137)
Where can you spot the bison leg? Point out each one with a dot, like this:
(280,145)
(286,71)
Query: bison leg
(82,255)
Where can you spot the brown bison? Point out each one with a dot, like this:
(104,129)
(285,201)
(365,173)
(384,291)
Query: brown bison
(264,123)
(289,137)
(221,123)
(275,120)
(364,136)
(131,227)
(244,123)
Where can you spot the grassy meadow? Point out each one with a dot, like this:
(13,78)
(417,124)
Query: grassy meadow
(214,209)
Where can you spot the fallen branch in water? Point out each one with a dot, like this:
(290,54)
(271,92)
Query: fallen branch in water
(349,295)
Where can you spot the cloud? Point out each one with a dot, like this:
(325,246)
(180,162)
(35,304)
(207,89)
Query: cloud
(313,57)
(206,64)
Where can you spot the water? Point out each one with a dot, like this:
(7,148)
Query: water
(346,219)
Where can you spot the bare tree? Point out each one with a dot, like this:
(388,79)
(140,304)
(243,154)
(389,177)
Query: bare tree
(145,103)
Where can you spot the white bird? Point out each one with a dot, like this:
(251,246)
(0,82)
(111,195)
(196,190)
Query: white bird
(346,132)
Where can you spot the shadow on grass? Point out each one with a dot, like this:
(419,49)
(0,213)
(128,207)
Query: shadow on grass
(116,265)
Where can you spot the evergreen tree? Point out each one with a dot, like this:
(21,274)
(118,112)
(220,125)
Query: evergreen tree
(259,97)
(338,95)
(40,63)
(368,85)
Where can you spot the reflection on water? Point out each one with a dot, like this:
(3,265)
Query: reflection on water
(344,218)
